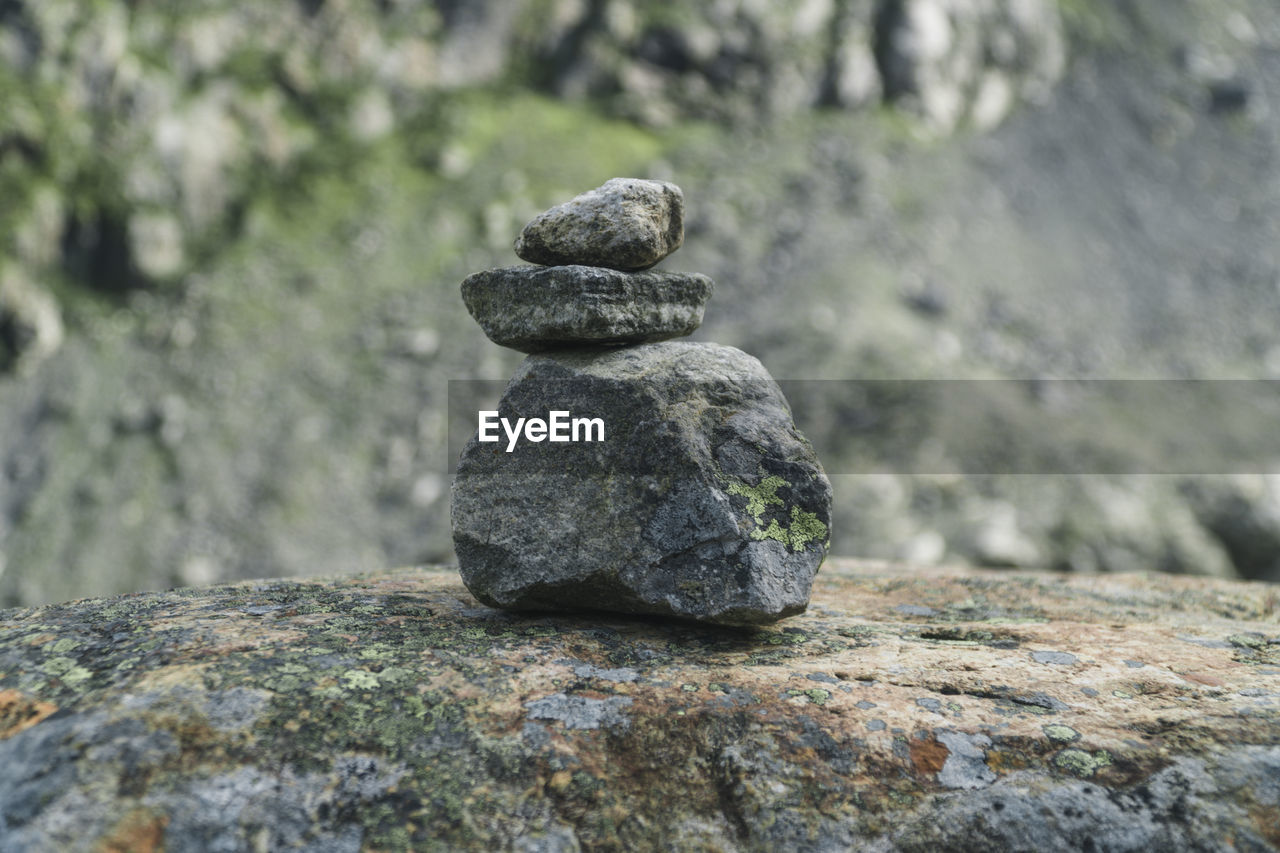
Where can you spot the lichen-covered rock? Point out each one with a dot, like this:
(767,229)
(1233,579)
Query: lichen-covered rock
(626,224)
(906,711)
(531,308)
(697,498)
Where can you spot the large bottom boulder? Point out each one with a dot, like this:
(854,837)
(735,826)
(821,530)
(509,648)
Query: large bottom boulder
(689,491)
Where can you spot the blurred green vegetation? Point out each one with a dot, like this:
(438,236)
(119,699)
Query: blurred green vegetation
(254,228)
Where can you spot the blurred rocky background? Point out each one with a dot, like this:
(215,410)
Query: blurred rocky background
(231,237)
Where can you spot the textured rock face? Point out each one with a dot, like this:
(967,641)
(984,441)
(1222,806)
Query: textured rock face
(1243,512)
(907,711)
(186,133)
(626,224)
(535,308)
(949,60)
(970,60)
(30,322)
(701,502)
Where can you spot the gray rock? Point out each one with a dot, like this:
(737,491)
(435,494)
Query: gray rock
(957,61)
(536,308)
(30,322)
(421,699)
(1242,512)
(580,712)
(1058,658)
(626,224)
(703,501)
(966,763)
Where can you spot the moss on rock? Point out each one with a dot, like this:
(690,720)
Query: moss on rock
(391,711)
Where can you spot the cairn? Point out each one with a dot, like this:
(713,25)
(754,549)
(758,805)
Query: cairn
(651,476)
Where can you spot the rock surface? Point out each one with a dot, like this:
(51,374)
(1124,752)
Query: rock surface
(956,61)
(626,224)
(535,308)
(30,323)
(948,60)
(906,711)
(702,501)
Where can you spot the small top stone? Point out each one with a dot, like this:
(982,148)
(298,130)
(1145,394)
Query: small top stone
(627,224)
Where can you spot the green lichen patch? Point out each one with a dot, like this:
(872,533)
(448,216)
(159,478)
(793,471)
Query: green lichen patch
(1255,648)
(803,529)
(759,497)
(1248,641)
(1059,733)
(1082,763)
(359,679)
(774,531)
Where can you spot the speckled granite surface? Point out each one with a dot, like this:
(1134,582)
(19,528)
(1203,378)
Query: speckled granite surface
(906,710)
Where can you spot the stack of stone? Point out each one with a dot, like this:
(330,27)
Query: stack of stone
(693,496)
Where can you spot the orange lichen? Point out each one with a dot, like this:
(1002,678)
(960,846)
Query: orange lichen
(928,756)
(19,712)
(140,831)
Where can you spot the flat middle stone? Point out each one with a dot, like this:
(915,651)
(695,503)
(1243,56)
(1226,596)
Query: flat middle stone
(533,309)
